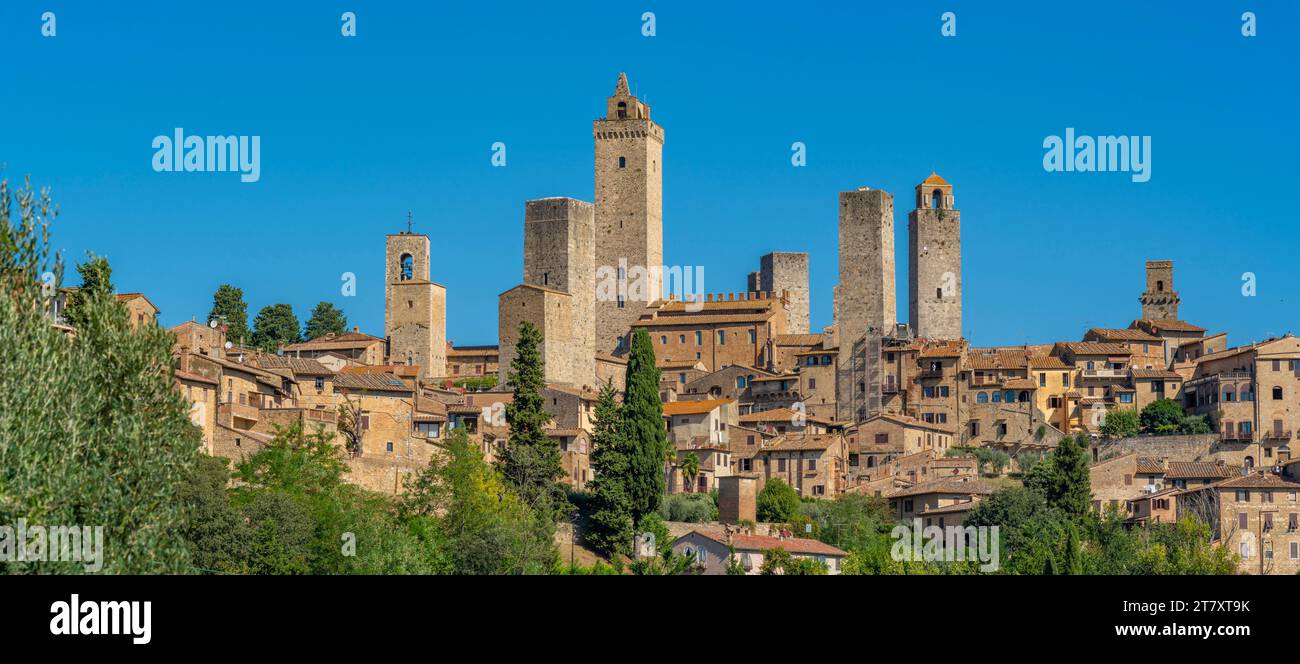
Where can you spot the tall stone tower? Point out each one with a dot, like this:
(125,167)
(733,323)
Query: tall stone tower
(629,212)
(865,298)
(558,292)
(1160,301)
(934,254)
(415,309)
(787,272)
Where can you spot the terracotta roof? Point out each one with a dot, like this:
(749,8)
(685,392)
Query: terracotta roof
(945,485)
(1124,334)
(673,307)
(330,341)
(1259,480)
(781,415)
(1179,470)
(904,421)
(954,508)
(743,542)
(560,433)
(797,339)
(934,179)
(370,381)
(1048,362)
(1172,325)
(1019,384)
(472,351)
(942,349)
(297,365)
(1095,348)
(694,407)
(802,441)
(185,375)
(1148,466)
(1154,373)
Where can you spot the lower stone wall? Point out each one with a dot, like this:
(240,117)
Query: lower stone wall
(1191,447)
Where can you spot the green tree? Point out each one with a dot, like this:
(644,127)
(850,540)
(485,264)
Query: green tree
(690,469)
(779,561)
(531,462)
(778,502)
(1120,424)
(1073,553)
(643,419)
(275,326)
(1194,424)
(216,531)
(93,431)
(486,527)
(1063,478)
(96,278)
(611,527)
(1162,417)
(228,305)
(325,319)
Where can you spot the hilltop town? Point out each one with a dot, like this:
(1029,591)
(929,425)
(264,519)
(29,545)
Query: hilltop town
(907,411)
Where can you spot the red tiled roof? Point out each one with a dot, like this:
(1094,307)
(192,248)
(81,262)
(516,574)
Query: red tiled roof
(743,542)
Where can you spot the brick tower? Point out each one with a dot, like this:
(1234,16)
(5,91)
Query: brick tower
(934,278)
(1160,301)
(415,309)
(629,211)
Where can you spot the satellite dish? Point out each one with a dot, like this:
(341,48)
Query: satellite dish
(229,345)
(212,324)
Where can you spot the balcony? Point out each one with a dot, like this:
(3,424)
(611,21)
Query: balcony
(889,388)
(930,373)
(1105,373)
(1276,435)
(228,410)
(1237,436)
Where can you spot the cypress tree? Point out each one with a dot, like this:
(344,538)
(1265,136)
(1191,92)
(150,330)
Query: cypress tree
(643,417)
(228,305)
(531,462)
(1072,489)
(1073,552)
(610,529)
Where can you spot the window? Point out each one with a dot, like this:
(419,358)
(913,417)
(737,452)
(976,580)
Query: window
(722,337)
(974,428)
(1277,394)
(740,382)
(819,490)
(407,264)
(812,383)
(1054,402)
(1042,380)
(936,199)
(622,110)
(812,465)
(1002,428)
(681,377)
(780,465)
(1243,497)
(753,337)
(982,397)
(1241,520)
(1126,397)
(390,446)
(1293,521)
(699,338)
(663,340)
(943,390)
(882,439)
(997,397)
(1267,496)
(622,162)
(1268,520)
(320,382)
(620,301)
(1245,549)
(1295,550)
(681,338)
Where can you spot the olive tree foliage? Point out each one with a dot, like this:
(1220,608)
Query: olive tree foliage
(92,432)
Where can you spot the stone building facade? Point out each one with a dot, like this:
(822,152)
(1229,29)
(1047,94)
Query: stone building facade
(415,309)
(934,254)
(865,299)
(628,213)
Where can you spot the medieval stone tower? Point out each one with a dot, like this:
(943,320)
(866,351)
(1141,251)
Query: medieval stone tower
(415,309)
(787,272)
(558,294)
(1160,301)
(934,278)
(865,296)
(629,211)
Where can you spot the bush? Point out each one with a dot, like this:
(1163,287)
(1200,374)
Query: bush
(778,502)
(1120,424)
(689,507)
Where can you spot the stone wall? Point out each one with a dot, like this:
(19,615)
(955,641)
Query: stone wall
(865,294)
(786,273)
(934,274)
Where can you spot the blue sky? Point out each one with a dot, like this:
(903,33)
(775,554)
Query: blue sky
(356,131)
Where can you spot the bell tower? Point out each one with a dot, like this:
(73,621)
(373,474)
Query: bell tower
(1160,300)
(629,214)
(934,253)
(415,309)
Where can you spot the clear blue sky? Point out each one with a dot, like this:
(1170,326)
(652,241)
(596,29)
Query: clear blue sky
(357,131)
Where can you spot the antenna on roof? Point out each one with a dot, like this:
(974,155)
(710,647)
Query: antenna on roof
(408,222)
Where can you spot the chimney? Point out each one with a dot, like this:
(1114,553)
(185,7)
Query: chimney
(708,298)
(356,328)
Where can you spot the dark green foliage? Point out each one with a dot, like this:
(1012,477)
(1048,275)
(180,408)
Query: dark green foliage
(778,502)
(610,526)
(689,507)
(1120,424)
(92,430)
(275,326)
(228,305)
(1162,417)
(1063,479)
(96,280)
(325,319)
(643,419)
(216,531)
(1194,424)
(779,561)
(531,462)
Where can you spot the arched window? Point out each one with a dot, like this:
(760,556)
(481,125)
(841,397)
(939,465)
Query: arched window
(982,397)
(622,162)
(622,110)
(936,199)
(997,397)
(871,462)
(1160,286)
(1249,462)
(408,267)
(1229,394)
